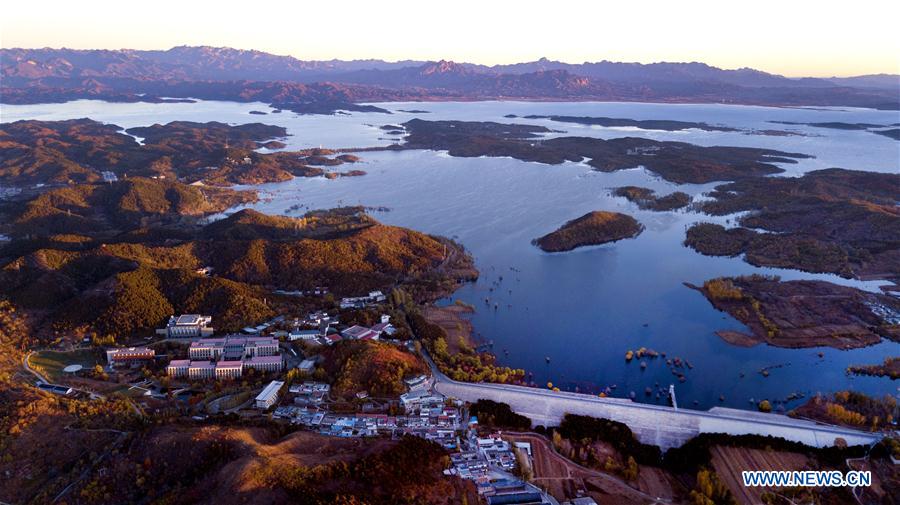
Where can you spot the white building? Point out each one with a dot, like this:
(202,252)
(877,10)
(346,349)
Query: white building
(232,347)
(178,368)
(201,370)
(297,334)
(265,363)
(269,395)
(228,369)
(188,326)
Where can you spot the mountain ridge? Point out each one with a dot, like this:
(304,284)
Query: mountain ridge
(183,72)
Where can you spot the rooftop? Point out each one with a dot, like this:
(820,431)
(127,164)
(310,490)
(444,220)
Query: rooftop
(263,359)
(271,389)
(187,319)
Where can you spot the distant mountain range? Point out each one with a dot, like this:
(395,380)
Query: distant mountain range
(34,75)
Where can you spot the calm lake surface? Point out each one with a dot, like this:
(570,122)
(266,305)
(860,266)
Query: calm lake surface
(582,309)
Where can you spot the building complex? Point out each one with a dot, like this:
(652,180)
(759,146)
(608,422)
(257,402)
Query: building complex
(227,357)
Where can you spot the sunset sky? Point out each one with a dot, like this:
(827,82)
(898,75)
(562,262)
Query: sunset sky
(794,38)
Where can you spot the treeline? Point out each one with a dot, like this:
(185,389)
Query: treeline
(498,415)
(855,409)
(695,453)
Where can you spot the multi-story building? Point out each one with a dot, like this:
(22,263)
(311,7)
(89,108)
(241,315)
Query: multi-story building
(202,370)
(269,395)
(178,368)
(227,357)
(188,326)
(233,347)
(265,363)
(127,355)
(228,369)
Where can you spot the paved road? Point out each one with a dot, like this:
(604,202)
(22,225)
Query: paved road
(652,424)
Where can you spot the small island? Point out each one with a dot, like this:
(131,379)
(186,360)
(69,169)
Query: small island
(647,199)
(593,228)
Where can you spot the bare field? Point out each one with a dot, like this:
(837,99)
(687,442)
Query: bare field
(729,462)
(564,478)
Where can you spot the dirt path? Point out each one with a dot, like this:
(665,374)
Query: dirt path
(563,477)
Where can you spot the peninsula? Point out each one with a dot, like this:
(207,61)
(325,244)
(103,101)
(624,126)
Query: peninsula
(677,162)
(798,314)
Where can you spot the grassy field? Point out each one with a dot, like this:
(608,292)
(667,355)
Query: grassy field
(51,363)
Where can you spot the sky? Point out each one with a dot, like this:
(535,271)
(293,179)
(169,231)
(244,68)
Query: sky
(790,37)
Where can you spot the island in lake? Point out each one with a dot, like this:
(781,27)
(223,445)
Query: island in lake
(647,124)
(647,199)
(593,228)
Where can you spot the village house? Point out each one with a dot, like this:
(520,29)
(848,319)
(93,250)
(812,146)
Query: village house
(331,339)
(357,332)
(417,382)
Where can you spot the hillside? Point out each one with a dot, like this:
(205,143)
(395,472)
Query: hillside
(120,206)
(373,367)
(78,150)
(128,283)
(182,463)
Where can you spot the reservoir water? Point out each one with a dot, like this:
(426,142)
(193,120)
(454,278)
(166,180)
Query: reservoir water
(582,309)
